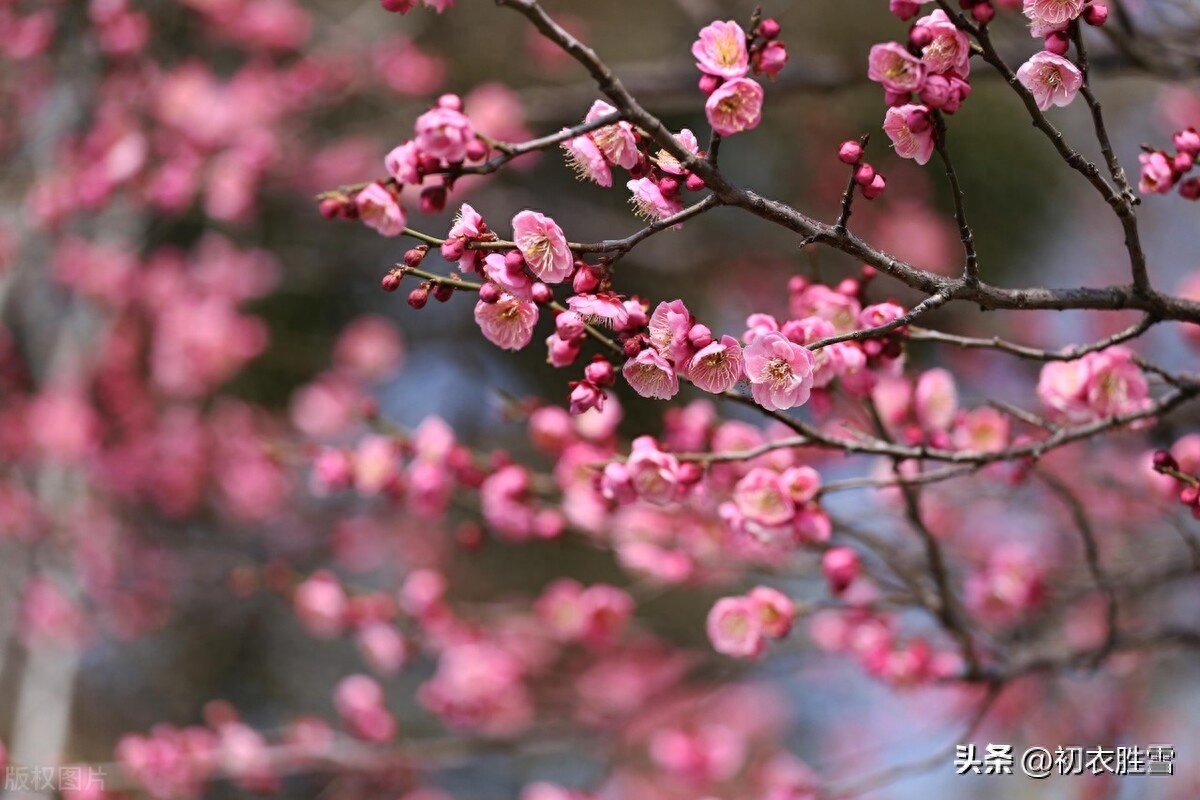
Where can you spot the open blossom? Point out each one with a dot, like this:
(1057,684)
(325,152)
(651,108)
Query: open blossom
(508,322)
(669,163)
(444,133)
(1052,13)
(1050,78)
(735,106)
(404,163)
(1117,385)
(604,310)
(780,372)
(585,158)
(718,367)
(651,375)
(668,330)
(379,210)
(1062,387)
(760,497)
(735,627)
(650,202)
(950,49)
(909,143)
(936,400)
(653,474)
(543,245)
(721,50)
(775,609)
(1157,177)
(616,141)
(896,68)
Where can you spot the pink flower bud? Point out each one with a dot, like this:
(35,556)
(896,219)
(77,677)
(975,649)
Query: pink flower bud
(560,352)
(772,59)
(586,281)
(390,282)
(695,183)
(700,336)
(1095,14)
(490,293)
(453,249)
(443,292)
(876,188)
(477,150)
(541,293)
(569,325)
(418,297)
(917,120)
(414,257)
(850,152)
(709,83)
(864,175)
(450,101)
(920,36)
(1190,189)
(840,566)
(669,186)
(600,372)
(329,208)
(769,29)
(585,396)
(1183,162)
(983,13)
(904,9)
(1058,43)
(432,200)
(1188,141)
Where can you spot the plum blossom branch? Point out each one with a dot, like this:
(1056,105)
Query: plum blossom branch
(971,266)
(1036,354)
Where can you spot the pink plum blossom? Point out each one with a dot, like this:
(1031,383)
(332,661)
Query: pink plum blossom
(909,143)
(586,160)
(735,106)
(721,50)
(651,375)
(616,141)
(735,627)
(507,323)
(603,310)
(775,609)
(543,245)
(949,49)
(1056,13)
(379,210)
(1050,78)
(780,372)
(897,69)
(653,474)
(668,330)
(761,497)
(649,201)
(444,133)
(936,399)
(669,163)
(1157,175)
(718,367)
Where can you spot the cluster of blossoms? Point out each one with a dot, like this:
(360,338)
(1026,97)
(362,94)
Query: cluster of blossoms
(1161,171)
(657,179)
(444,140)
(1051,77)
(925,411)
(934,67)
(725,54)
(1097,386)
(740,626)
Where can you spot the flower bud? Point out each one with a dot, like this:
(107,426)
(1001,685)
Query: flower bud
(1190,189)
(391,281)
(904,9)
(1188,141)
(700,336)
(600,372)
(983,13)
(432,200)
(1057,43)
(453,249)
(920,36)
(769,29)
(864,175)
(418,297)
(489,293)
(414,257)
(541,293)
(840,566)
(569,325)
(450,101)
(709,83)
(917,120)
(850,152)
(1095,14)
(876,188)
(443,292)
(695,183)
(585,280)
(477,150)
(329,208)
(1163,459)
(1182,162)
